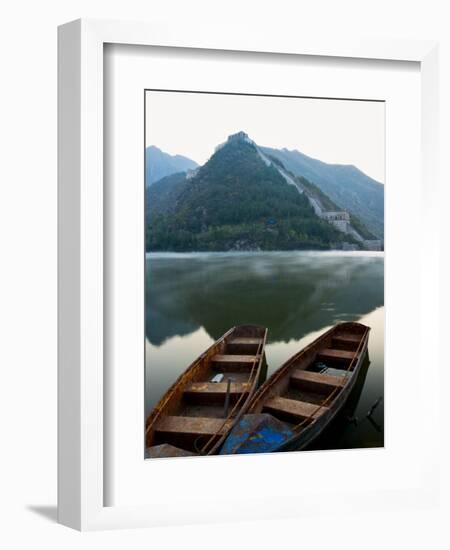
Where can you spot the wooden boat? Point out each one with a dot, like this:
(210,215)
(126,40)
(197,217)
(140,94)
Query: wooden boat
(293,407)
(202,406)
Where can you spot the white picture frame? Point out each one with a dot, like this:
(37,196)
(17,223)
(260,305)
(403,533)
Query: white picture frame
(81,389)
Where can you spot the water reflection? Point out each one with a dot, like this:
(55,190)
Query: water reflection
(192,299)
(291,293)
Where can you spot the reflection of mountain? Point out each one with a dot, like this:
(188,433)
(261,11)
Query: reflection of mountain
(292,294)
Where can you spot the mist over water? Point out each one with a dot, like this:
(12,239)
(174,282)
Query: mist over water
(192,299)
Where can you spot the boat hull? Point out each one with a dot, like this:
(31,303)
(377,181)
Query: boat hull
(300,397)
(311,433)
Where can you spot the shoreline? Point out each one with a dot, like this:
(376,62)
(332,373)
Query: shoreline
(374,253)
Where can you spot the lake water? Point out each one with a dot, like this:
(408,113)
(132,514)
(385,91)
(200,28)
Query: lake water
(194,298)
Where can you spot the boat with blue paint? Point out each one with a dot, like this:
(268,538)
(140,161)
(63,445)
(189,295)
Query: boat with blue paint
(295,405)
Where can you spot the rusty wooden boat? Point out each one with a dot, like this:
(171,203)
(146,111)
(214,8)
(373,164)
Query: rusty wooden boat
(197,412)
(294,406)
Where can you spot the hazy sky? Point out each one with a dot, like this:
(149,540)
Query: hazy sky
(334,131)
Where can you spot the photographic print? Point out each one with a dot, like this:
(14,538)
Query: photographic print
(264,273)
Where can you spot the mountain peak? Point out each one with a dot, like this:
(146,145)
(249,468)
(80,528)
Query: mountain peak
(240,136)
(159,164)
(154,148)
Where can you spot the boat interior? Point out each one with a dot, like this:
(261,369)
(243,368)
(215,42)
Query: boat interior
(204,405)
(310,383)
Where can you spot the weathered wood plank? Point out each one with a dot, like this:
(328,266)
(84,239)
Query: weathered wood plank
(345,341)
(336,355)
(219,388)
(245,341)
(315,381)
(293,408)
(192,425)
(348,337)
(235,358)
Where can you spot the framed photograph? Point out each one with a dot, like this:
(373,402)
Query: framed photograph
(261,290)
(239,304)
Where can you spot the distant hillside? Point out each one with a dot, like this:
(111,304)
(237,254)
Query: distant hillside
(162,195)
(345,185)
(159,164)
(236,201)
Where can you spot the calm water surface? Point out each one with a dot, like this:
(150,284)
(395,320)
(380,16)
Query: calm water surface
(192,299)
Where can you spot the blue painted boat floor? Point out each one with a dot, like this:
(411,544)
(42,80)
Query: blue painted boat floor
(257,433)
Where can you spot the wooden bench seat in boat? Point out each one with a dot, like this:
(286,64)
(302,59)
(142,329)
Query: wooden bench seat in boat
(345,341)
(336,355)
(210,392)
(191,425)
(230,362)
(243,345)
(245,359)
(314,381)
(293,409)
(348,337)
(245,341)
